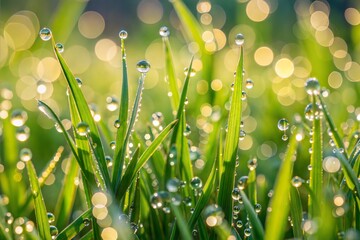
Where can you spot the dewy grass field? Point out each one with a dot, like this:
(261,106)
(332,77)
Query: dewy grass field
(257,139)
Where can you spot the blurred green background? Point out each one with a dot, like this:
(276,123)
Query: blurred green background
(286,42)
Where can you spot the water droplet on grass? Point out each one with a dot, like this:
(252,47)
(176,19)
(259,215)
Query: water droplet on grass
(313,111)
(18,117)
(239,39)
(257,208)
(123,34)
(51,217)
(312,86)
(79,81)
(159,199)
(112,103)
(23,133)
(173,184)
(283,124)
(164,31)
(252,164)
(86,222)
(53,231)
(239,224)
(143,66)
(297,181)
(60,47)
(25,154)
(192,72)
(156,119)
(243,95)
(247,232)
(82,129)
(117,123)
(242,182)
(9,219)
(45,34)
(112,145)
(249,84)
(196,183)
(187,130)
(235,194)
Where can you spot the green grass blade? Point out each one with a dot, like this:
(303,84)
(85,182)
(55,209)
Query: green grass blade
(231,144)
(3,233)
(67,194)
(170,75)
(252,186)
(130,175)
(350,176)
(316,173)
(76,226)
(296,212)
(133,118)
(121,147)
(280,203)
(85,116)
(39,204)
(181,223)
(189,22)
(204,198)
(337,140)
(257,229)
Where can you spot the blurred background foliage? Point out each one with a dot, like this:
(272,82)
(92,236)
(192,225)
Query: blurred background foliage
(286,42)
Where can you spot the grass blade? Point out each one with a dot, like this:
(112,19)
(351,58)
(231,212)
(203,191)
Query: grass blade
(231,144)
(67,194)
(130,175)
(85,116)
(316,173)
(39,204)
(252,185)
(296,212)
(181,223)
(76,226)
(280,203)
(133,118)
(258,230)
(120,147)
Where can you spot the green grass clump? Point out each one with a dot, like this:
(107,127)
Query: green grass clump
(147,184)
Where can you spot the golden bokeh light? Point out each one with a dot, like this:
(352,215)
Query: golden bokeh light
(257,10)
(263,56)
(150,11)
(106,49)
(91,24)
(284,67)
(352,16)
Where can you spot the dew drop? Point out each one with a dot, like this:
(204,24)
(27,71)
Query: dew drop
(159,199)
(284,137)
(239,39)
(313,111)
(283,124)
(25,154)
(117,123)
(18,117)
(79,81)
(23,133)
(243,95)
(134,227)
(239,224)
(123,34)
(173,184)
(252,164)
(297,181)
(60,47)
(247,232)
(86,222)
(9,219)
(236,209)
(249,84)
(82,129)
(196,183)
(164,31)
(45,34)
(112,103)
(143,66)
(192,72)
(242,182)
(112,145)
(235,194)
(312,86)
(242,135)
(187,130)
(156,119)
(257,208)
(53,231)
(51,217)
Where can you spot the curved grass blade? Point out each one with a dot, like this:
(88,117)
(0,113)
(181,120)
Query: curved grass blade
(296,212)
(85,116)
(133,118)
(67,194)
(39,204)
(120,148)
(280,203)
(170,74)
(350,176)
(258,229)
(231,144)
(338,142)
(252,186)
(181,223)
(129,175)
(76,226)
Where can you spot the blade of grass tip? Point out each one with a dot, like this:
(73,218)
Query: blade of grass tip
(67,194)
(204,198)
(39,204)
(350,176)
(170,75)
(338,142)
(257,228)
(231,144)
(120,147)
(280,203)
(133,119)
(296,212)
(354,154)
(85,115)
(130,175)
(76,226)
(181,223)
(316,172)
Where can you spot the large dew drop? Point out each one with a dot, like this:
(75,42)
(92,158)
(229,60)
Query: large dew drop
(239,39)
(312,86)
(82,129)
(283,124)
(59,47)
(313,111)
(196,183)
(242,182)
(53,231)
(45,34)
(25,154)
(51,217)
(164,31)
(143,66)
(123,34)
